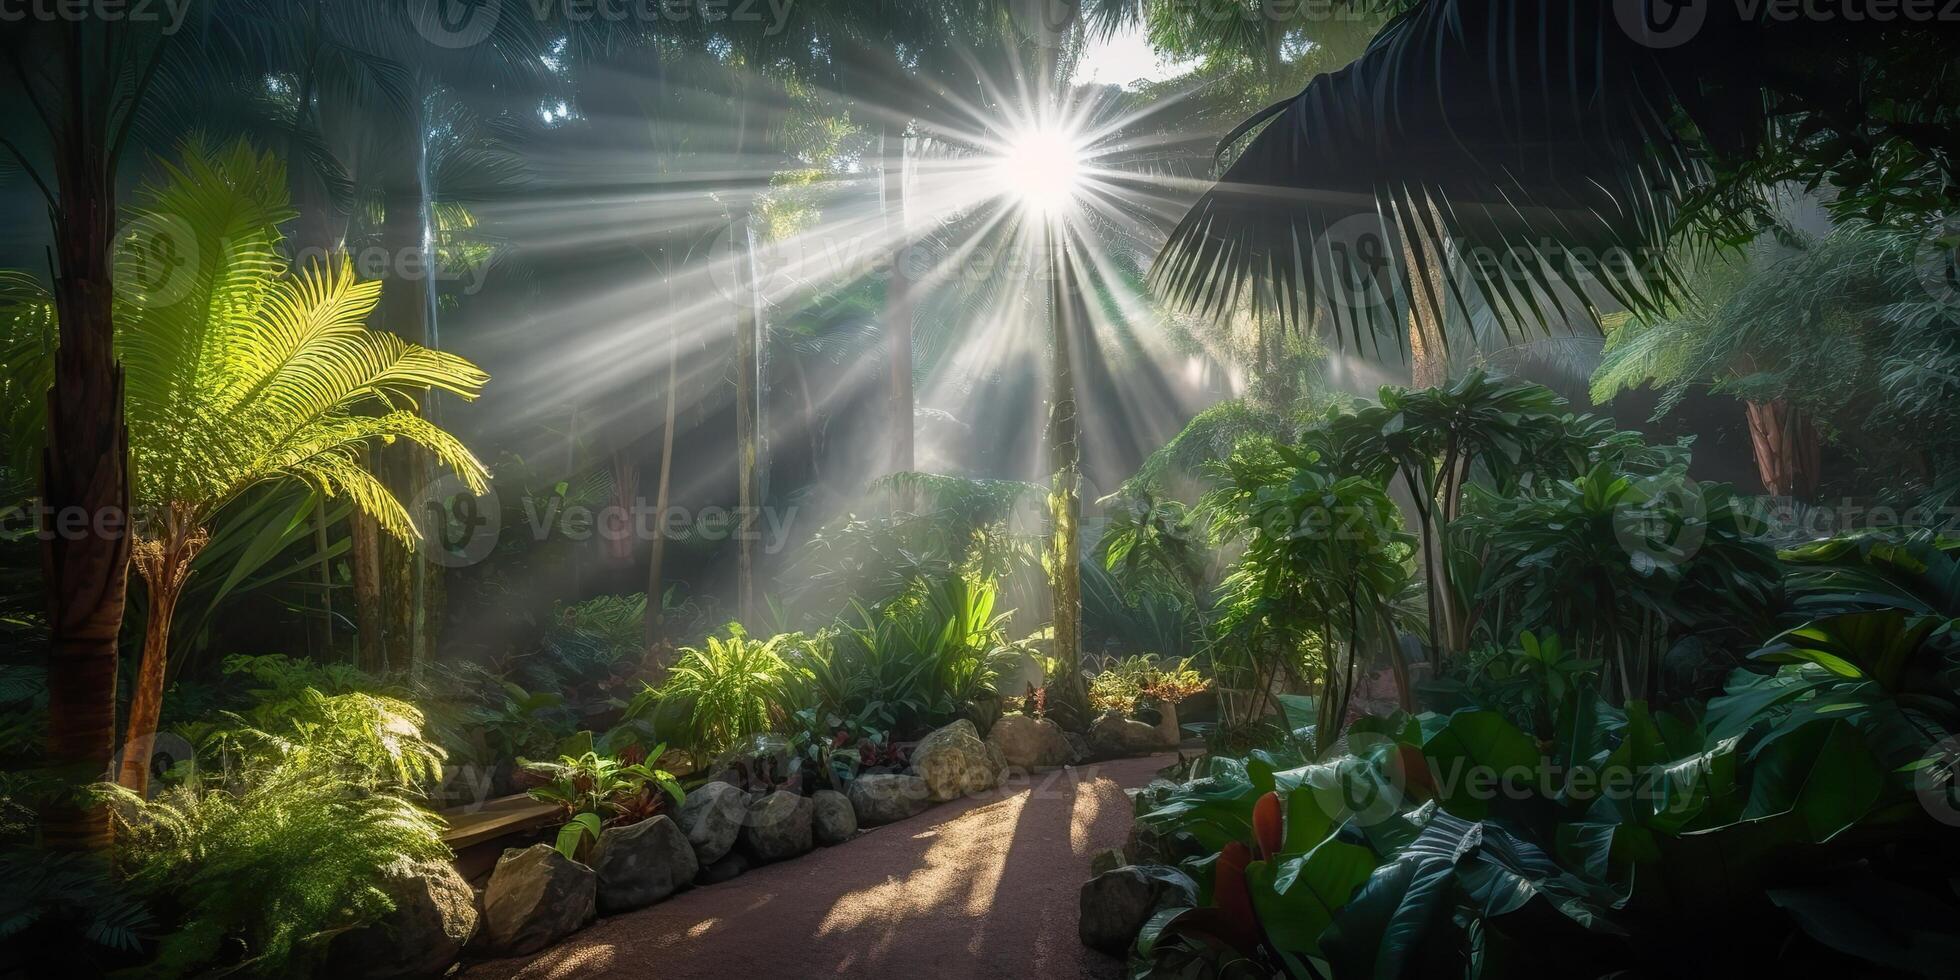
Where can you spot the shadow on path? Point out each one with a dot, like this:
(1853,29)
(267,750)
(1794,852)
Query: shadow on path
(981,887)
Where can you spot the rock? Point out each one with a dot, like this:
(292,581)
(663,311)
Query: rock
(712,816)
(1169,735)
(1108,859)
(1029,743)
(1114,736)
(779,827)
(434,917)
(1114,905)
(641,864)
(1078,748)
(728,867)
(536,897)
(832,820)
(954,762)
(885,797)
(1146,845)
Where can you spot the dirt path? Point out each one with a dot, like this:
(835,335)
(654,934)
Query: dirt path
(983,887)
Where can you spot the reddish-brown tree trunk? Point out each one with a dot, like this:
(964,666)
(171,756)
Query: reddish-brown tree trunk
(85,468)
(164,565)
(1786,446)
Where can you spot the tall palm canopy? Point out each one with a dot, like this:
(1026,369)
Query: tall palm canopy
(1542,150)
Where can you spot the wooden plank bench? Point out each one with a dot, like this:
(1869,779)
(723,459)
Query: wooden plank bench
(505,820)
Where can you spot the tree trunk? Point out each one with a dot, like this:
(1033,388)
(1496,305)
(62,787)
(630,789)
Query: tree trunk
(85,467)
(1786,446)
(1069,704)
(370,618)
(898,311)
(326,576)
(1429,363)
(409,583)
(656,622)
(164,564)
(748,488)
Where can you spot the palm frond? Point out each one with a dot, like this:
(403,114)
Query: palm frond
(1536,152)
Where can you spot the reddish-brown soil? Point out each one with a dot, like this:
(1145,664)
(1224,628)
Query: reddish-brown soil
(982,887)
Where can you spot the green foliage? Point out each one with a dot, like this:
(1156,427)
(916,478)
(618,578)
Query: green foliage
(594,789)
(239,372)
(1323,557)
(917,663)
(1619,563)
(52,896)
(367,741)
(294,845)
(984,528)
(723,691)
(1137,619)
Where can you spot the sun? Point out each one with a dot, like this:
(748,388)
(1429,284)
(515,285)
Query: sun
(1041,167)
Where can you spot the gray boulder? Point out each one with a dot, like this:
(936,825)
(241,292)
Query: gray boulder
(536,897)
(730,866)
(954,762)
(1115,905)
(886,797)
(712,816)
(1029,743)
(1114,736)
(1108,859)
(779,827)
(641,864)
(434,917)
(832,821)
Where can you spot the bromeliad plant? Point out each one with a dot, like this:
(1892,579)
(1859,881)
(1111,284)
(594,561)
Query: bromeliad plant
(596,790)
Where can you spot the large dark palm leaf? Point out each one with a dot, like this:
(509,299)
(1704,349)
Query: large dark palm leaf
(1544,148)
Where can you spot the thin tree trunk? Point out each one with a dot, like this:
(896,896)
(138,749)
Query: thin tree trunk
(747,491)
(370,616)
(326,577)
(85,467)
(898,311)
(1071,703)
(146,702)
(656,621)
(164,564)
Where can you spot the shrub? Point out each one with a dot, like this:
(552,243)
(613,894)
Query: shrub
(293,843)
(721,692)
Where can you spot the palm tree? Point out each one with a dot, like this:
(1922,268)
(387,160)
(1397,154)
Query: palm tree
(82,84)
(241,373)
(1556,150)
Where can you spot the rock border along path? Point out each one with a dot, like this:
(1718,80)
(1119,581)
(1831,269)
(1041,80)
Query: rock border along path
(981,887)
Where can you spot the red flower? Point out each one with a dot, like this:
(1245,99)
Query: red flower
(1239,923)
(1268,830)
